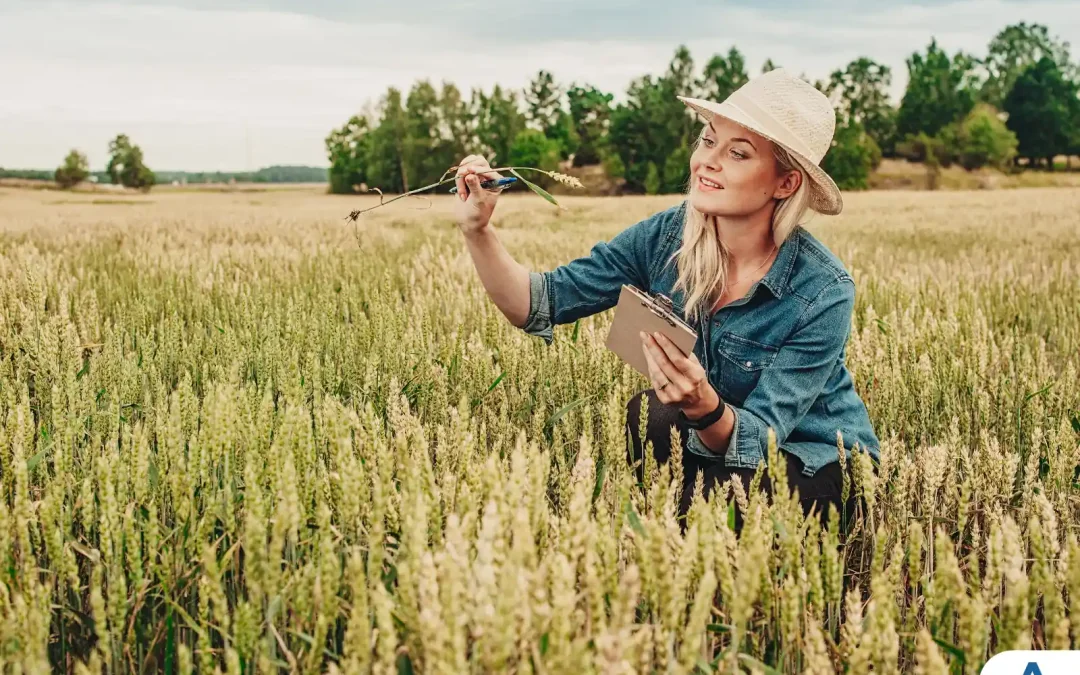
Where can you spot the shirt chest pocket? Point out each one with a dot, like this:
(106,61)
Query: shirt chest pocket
(741,364)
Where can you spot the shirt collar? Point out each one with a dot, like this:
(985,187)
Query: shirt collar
(776,279)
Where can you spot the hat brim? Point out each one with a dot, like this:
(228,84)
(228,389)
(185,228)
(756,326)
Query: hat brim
(825,197)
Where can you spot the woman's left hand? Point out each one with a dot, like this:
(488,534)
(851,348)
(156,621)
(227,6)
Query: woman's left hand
(678,378)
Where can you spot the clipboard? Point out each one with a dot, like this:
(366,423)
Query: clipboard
(641,311)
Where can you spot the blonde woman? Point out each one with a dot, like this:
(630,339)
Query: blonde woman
(771,304)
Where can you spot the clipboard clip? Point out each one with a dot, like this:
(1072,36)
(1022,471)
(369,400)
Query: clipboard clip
(661,306)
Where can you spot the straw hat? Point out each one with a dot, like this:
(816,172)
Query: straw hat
(791,113)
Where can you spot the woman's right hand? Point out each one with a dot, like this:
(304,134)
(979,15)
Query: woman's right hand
(475,204)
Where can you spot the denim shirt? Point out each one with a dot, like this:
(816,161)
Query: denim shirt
(775,356)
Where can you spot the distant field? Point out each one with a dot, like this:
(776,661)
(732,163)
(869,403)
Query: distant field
(894,174)
(243,187)
(29,184)
(239,432)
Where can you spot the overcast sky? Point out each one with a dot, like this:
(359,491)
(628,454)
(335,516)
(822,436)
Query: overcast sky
(239,84)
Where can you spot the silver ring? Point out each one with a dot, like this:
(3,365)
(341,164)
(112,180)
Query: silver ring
(664,385)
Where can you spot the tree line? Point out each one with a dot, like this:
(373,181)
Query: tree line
(1016,106)
(126,167)
(278,173)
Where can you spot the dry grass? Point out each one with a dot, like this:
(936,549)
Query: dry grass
(232,438)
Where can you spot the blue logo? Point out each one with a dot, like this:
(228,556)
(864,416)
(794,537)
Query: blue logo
(1033,662)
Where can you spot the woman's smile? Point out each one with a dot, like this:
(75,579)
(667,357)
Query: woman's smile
(707,185)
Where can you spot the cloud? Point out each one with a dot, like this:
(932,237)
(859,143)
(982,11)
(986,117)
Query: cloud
(235,84)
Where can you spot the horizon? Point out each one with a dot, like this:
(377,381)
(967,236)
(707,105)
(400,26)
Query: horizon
(94,171)
(212,90)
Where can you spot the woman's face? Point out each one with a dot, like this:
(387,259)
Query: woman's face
(733,172)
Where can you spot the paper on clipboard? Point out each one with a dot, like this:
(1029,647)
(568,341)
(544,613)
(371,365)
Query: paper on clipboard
(638,311)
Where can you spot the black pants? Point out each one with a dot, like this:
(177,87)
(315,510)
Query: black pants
(822,491)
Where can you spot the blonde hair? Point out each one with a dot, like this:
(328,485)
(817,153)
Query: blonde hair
(702,260)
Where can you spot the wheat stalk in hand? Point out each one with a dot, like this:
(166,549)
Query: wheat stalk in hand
(561,178)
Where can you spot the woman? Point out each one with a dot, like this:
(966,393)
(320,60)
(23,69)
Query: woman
(771,304)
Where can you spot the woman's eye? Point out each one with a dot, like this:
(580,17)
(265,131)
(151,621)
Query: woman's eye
(737,155)
(709,142)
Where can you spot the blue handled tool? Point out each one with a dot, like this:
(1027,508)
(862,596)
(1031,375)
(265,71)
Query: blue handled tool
(491,184)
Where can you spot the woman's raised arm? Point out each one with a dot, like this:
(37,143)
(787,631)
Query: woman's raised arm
(504,279)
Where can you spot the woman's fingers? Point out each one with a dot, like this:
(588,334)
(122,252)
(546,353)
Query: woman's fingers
(659,355)
(483,198)
(656,376)
(459,182)
(473,181)
(464,168)
(472,165)
(484,169)
(481,166)
(466,160)
(666,370)
(679,359)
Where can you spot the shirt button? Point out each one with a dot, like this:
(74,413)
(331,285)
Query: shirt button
(749,364)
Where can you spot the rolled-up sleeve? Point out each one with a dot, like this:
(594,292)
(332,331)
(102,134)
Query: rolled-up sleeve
(539,320)
(696,446)
(793,381)
(592,283)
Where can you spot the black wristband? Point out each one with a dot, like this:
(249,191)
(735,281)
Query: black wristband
(707,420)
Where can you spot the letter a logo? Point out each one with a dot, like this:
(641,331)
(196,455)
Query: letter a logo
(1033,662)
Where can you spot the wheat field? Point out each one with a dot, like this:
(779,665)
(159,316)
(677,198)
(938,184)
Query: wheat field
(240,434)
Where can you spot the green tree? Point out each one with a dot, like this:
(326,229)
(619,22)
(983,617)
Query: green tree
(613,166)
(457,127)
(119,150)
(932,151)
(288,174)
(983,139)
(652,179)
(768,66)
(348,149)
(677,170)
(387,167)
(653,123)
(498,121)
(73,171)
(532,148)
(940,90)
(1016,48)
(921,147)
(1043,110)
(126,166)
(637,131)
(565,135)
(590,115)
(723,75)
(860,94)
(679,81)
(852,157)
(544,111)
(423,143)
(542,105)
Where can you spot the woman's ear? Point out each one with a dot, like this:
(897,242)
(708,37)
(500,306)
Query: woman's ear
(788,185)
